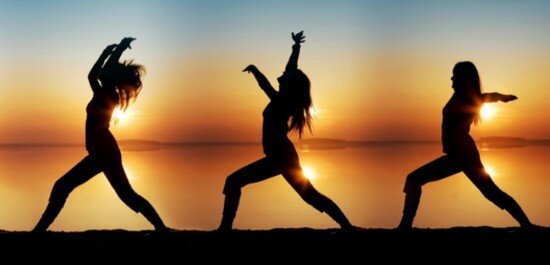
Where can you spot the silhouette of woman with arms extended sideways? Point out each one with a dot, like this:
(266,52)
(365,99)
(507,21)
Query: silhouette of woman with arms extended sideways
(113,84)
(291,103)
(461,154)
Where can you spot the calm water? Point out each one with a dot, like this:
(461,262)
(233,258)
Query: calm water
(185,183)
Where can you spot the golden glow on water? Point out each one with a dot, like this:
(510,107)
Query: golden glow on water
(488,111)
(185,186)
(309,172)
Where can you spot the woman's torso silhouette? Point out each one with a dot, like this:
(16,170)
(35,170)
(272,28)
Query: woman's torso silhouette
(275,129)
(458,116)
(99,111)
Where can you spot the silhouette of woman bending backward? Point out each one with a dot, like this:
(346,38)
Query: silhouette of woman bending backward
(113,84)
(290,103)
(461,154)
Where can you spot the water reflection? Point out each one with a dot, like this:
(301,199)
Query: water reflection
(184,184)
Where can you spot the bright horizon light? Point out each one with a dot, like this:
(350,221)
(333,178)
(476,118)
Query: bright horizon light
(489,170)
(487,111)
(119,115)
(129,174)
(309,173)
(314,112)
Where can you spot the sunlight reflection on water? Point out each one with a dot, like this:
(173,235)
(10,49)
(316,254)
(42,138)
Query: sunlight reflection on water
(185,186)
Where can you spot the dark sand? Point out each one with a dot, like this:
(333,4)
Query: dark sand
(368,246)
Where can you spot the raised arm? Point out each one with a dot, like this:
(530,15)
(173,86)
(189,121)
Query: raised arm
(293,60)
(262,81)
(495,97)
(96,69)
(120,48)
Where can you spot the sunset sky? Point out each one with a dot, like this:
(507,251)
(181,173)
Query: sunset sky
(380,70)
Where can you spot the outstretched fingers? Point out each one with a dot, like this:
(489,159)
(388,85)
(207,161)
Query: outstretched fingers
(127,41)
(509,98)
(298,37)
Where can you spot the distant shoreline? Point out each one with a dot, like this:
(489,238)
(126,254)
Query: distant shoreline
(493,141)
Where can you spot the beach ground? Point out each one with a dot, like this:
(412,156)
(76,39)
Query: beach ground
(261,246)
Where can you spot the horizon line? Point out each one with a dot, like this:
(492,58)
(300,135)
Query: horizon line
(156,142)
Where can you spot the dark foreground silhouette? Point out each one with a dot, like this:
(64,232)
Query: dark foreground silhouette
(114,85)
(303,244)
(461,154)
(291,103)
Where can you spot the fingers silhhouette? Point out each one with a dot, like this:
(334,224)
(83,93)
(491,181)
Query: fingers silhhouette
(510,98)
(298,37)
(127,41)
(249,68)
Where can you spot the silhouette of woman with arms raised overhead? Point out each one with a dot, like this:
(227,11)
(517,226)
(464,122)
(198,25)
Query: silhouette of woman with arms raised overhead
(289,105)
(114,84)
(461,154)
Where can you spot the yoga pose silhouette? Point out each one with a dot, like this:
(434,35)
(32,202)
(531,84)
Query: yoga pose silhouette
(291,103)
(461,154)
(113,84)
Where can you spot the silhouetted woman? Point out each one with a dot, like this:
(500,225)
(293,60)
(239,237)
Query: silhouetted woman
(461,154)
(290,104)
(114,85)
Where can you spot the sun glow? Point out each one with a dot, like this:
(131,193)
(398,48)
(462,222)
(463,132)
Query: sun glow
(490,171)
(487,111)
(309,173)
(314,112)
(119,115)
(129,174)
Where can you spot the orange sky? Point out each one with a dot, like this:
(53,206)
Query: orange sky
(380,71)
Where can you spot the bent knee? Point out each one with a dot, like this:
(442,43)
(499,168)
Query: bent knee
(60,185)
(61,188)
(232,184)
(413,183)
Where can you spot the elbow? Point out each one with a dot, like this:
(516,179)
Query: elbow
(93,74)
(92,77)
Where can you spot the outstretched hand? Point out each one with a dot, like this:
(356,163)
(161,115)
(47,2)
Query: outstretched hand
(298,37)
(250,68)
(125,43)
(506,98)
